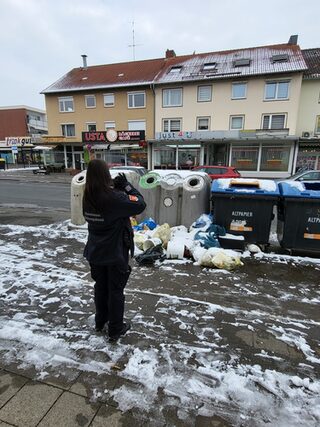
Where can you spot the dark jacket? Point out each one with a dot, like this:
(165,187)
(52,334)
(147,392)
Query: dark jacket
(110,232)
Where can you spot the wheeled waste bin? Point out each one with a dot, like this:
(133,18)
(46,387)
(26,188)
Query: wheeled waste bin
(245,207)
(298,226)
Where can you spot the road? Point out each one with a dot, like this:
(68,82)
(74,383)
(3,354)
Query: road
(35,193)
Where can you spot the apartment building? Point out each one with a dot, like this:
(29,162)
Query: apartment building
(108,107)
(20,130)
(237,107)
(308,126)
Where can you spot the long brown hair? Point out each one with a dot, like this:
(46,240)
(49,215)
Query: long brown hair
(98,180)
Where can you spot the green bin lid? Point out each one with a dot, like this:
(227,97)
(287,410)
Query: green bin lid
(149,180)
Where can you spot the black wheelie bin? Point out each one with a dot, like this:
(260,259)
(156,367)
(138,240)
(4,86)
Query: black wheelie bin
(245,207)
(298,226)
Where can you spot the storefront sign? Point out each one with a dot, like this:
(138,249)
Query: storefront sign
(52,139)
(202,135)
(112,135)
(18,140)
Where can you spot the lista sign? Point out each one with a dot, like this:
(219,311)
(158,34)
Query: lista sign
(17,140)
(112,135)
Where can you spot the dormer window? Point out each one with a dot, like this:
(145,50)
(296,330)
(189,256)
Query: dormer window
(245,62)
(283,57)
(209,66)
(175,69)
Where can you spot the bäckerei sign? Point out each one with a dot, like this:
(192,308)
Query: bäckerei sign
(111,135)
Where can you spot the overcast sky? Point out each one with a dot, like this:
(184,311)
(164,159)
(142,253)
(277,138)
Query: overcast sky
(41,40)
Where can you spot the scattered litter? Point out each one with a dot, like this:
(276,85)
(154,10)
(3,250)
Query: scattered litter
(254,249)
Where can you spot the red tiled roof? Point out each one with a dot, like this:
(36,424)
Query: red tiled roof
(312,58)
(135,73)
(139,73)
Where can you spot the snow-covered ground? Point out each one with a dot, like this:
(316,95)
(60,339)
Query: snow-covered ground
(242,345)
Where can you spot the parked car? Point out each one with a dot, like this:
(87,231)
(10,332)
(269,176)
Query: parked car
(309,175)
(216,172)
(139,169)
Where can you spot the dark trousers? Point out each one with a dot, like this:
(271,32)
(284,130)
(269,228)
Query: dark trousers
(110,281)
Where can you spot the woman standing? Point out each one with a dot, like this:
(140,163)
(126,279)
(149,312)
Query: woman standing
(107,207)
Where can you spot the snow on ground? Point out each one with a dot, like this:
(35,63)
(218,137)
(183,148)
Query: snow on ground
(243,345)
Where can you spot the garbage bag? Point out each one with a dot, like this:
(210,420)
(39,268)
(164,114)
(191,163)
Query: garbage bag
(163,232)
(220,258)
(147,224)
(204,221)
(209,238)
(150,255)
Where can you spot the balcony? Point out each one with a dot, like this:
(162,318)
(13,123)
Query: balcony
(37,125)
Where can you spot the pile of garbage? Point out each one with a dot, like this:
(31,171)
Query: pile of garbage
(202,242)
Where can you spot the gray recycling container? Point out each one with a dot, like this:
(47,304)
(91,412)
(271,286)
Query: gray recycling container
(298,226)
(245,207)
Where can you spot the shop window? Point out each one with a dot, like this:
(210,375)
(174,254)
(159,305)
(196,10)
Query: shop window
(68,130)
(245,158)
(275,158)
(239,91)
(236,122)
(108,99)
(273,121)
(171,125)
(90,101)
(66,104)
(203,123)
(204,93)
(172,97)
(136,99)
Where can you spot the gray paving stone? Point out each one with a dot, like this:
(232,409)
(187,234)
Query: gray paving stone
(69,411)
(9,385)
(29,405)
(112,417)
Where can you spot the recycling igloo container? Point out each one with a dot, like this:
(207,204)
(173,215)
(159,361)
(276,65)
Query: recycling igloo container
(78,183)
(195,197)
(170,203)
(298,226)
(245,207)
(77,190)
(149,187)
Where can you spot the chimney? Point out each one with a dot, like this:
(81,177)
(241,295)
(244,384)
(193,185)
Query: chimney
(293,39)
(170,53)
(84,59)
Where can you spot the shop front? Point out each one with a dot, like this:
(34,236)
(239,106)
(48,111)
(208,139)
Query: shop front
(252,153)
(308,155)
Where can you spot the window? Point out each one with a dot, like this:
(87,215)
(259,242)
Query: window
(171,125)
(317,130)
(275,158)
(245,158)
(91,127)
(276,90)
(90,101)
(68,130)
(245,62)
(204,93)
(136,99)
(273,121)
(175,69)
(310,176)
(172,97)
(136,125)
(108,99)
(209,66)
(281,57)
(239,91)
(203,123)
(109,125)
(236,122)
(66,104)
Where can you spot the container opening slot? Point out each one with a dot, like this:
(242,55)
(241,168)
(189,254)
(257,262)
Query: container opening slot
(193,182)
(242,184)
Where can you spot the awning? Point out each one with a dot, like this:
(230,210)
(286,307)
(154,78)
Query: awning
(43,147)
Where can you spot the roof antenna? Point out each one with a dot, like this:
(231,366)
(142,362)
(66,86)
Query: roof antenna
(133,45)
